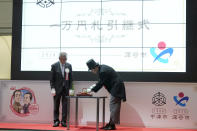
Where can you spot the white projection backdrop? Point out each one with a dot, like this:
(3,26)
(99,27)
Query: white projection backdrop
(129,35)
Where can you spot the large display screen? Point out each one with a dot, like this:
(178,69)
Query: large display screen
(129,35)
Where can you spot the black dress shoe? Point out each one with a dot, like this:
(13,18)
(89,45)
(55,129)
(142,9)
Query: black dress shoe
(56,124)
(110,127)
(106,126)
(63,124)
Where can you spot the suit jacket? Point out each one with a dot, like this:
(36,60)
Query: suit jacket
(26,108)
(17,107)
(109,78)
(57,81)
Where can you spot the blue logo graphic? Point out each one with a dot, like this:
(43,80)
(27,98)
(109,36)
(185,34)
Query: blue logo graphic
(158,57)
(182,100)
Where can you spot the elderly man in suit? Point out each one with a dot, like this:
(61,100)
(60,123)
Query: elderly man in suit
(111,80)
(61,82)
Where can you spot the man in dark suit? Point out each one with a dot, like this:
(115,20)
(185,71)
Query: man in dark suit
(111,80)
(61,82)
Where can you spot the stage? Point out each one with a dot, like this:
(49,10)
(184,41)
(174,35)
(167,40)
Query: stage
(48,127)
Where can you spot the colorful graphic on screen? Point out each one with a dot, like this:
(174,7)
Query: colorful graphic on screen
(161,46)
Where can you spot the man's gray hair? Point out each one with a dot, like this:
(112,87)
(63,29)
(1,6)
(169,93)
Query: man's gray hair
(63,54)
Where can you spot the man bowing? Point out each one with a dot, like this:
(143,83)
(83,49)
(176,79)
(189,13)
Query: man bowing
(111,80)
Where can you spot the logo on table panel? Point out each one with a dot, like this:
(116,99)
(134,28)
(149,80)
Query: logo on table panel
(45,3)
(181,100)
(159,99)
(163,51)
(23,102)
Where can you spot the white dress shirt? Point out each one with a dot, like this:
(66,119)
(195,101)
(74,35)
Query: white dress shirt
(62,66)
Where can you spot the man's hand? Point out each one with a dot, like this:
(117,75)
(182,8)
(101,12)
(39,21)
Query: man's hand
(53,92)
(90,88)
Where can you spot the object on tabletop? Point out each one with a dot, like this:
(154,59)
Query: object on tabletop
(84,93)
